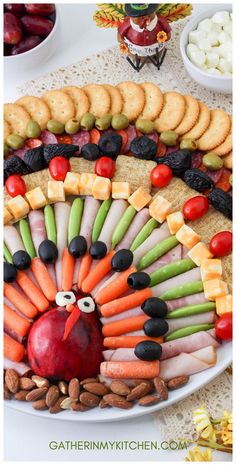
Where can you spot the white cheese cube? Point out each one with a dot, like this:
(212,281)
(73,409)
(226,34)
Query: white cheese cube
(212,59)
(221,17)
(198,58)
(18,207)
(36,198)
(56,191)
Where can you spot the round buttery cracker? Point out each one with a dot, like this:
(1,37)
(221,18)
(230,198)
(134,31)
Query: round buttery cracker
(228,160)
(153,101)
(37,108)
(227,145)
(190,115)
(217,131)
(133,98)
(172,112)
(60,104)
(99,99)
(80,100)
(116,99)
(17,117)
(6,130)
(201,124)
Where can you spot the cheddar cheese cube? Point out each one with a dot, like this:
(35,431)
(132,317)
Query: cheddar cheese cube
(160,208)
(139,199)
(120,190)
(18,207)
(36,198)
(224,304)
(7,216)
(72,183)
(215,288)
(199,253)
(211,269)
(175,221)
(187,236)
(86,183)
(56,191)
(101,188)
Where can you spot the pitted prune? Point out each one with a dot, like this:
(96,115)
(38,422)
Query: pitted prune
(14,165)
(198,180)
(221,201)
(179,161)
(143,148)
(33,158)
(63,150)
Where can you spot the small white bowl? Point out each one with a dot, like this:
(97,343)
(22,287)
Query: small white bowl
(222,84)
(36,55)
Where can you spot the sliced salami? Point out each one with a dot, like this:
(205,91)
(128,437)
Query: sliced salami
(20,152)
(196,159)
(48,137)
(153,136)
(80,138)
(172,149)
(132,133)
(215,175)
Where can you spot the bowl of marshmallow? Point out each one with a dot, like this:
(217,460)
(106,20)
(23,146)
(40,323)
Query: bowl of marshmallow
(206,48)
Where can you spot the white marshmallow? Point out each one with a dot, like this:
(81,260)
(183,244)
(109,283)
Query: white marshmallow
(191,48)
(204,44)
(195,36)
(228,28)
(214,71)
(213,38)
(216,28)
(221,17)
(198,58)
(224,66)
(224,49)
(224,37)
(205,25)
(231,16)
(212,59)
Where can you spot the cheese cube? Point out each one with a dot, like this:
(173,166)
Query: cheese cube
(139,199)
(160,208)
(71,183)
(175,221)
(120,190)
(36,198)
(86,183)
(18,207)
(199,253)
(215,288)
(224,304)
(56,191)
(211,269)
(7,216)
(187,236)
(101,188)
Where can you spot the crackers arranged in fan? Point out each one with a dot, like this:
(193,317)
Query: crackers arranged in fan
(37,109)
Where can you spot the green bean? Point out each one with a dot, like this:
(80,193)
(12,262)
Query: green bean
(160,249)
(171,270)
(27,238)
(191,310)
(187,331)
(100,218)
(123,225)
(7,254)
(183,290)
(50,223)
(144,233)
(75,218)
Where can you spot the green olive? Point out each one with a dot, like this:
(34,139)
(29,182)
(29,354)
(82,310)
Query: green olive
(55,126)
(15,141)
(169,138)
(119,121)
(103,123)
(231,179)
(87,121)
(145,126)
(5,149)
(212,162)
(33,129)
(72,126)
(188,144)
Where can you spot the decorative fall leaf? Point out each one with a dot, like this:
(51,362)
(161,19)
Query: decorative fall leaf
(174,11)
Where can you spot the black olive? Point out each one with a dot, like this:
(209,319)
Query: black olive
(78,246)
(144,148)
(198,180)
(222,202)
(154,307)
(138,280)
(122,260)
(179,161)
(155,327)
(110,144)
(98,250)
(21,259)
(48,251)
(148,350)
(9,273)
(90,152)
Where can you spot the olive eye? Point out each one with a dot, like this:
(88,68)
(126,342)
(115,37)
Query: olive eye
(65,298)
(86,305)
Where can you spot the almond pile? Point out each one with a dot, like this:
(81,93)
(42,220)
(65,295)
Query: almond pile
(80,396)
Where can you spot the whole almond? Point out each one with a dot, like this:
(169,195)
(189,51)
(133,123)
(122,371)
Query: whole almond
(146,401)
(139,391)
(89,399)
(36,394)
(12,380)
(7,394)
(96,388)
(88,380)
(117,401)
(40,382)
(56,408)
(40,404)
(66,403)
(21,395)
(161,388)
(74,388)
(63,386)
(177,382)
(103,404)
(119,387)
(52,395)
(78,407)
(27,384)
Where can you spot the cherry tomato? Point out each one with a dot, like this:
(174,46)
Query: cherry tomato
(105,167)
(32,143)
(195,207)
(15,185)
(161,176)
(59,167)
(221,243)
(223,327)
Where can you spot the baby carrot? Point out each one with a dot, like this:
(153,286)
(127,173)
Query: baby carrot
(139,369)
(125,303)
(22,304)
(43,278)
(13,349)
(116,288)
(98,272)
(15,322)
(33,292)
(128,341)
(85,265)
(68,264)
(124,326)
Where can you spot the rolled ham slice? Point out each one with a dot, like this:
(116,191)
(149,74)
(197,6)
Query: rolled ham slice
(12,239)
(137,224)
(20,367)
(202,318)
(156,236)
(62,213)
(37,227)
(114,215)
(91,207)
(171,256)
(195,299)
(188,277)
